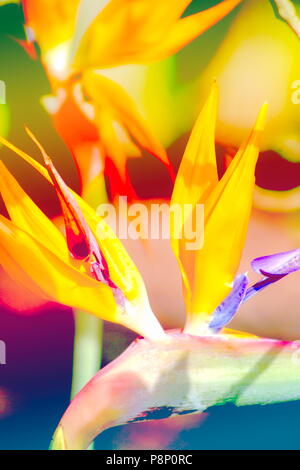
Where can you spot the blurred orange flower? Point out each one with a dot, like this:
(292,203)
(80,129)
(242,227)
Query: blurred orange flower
(77,40)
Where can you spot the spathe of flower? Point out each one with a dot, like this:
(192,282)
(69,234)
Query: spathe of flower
(91,271)
(178,375)
(186,373)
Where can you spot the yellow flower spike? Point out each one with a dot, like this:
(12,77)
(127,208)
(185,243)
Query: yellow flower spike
(196,178)
(140,31)
(227,213)
(25,257)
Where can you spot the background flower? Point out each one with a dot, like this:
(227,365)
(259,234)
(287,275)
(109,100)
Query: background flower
(42,381)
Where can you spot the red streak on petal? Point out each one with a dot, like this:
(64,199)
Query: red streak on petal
(81,242)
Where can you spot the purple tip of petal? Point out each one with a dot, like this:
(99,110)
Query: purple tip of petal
(227,309)
(278,264)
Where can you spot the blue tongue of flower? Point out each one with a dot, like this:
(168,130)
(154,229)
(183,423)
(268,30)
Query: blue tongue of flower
(278,264)
(272,267)
(227,309)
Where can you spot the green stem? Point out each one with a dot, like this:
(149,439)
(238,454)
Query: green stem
(87,354)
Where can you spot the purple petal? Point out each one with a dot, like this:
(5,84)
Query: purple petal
(227,309)
(260,285)
(280,263)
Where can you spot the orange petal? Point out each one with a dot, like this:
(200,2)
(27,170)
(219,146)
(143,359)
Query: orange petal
(80,239)
(53,21)
(121,31)
(137,32)
(105,93)
(190,27)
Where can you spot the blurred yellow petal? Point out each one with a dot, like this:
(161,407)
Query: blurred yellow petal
(109,141)
(277,201)
(227,213)
(121,31)
(238,334)
(53,21)
(89,160)
(139,31)
(107,94)
(196,178)
(26,215)
(190,27)
(27,158)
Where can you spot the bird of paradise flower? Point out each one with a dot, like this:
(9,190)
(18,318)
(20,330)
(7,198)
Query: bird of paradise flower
(174,372)
(95,116)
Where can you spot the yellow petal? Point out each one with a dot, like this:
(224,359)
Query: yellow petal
(277,201)
(196,178)
(57,280)
(122,269)
(227,213)
(190,27)
(107,94)
(238,334)
(58,441)
(26,215)
(123,31)
(17,275)
(27,158)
